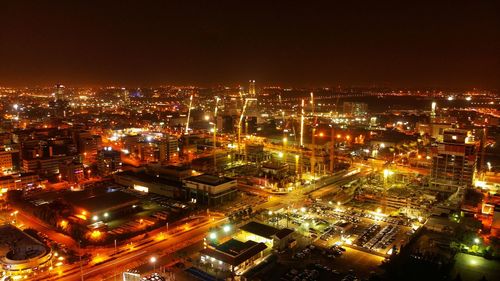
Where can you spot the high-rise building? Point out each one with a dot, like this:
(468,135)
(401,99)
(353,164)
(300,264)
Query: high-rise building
(58,95)
(454,160)
(59,105)
(126,96)
(251,88)
(108,161)
(168,146)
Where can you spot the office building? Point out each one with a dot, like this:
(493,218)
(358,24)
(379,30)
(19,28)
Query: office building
(108,161)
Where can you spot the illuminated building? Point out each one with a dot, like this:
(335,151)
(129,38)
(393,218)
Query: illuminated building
(108,161)
(126,96)
(94,208)
(273,237)
(59,105)
(454,160)
(210,190)
(251,88)
(355,109)
(233,255)
(151,182)
(168,147)
(46,166)
(19,181)
(6,163)
(88,144)
(21,254)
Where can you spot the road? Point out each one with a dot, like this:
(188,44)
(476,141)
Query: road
(107,264)
(141,254)
(31,222)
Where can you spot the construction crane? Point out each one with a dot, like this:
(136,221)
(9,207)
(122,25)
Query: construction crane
(189,114)
(247,100)
(215,132)
(302,124)
(332,148)
(313,142)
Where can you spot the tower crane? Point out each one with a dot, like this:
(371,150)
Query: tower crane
(189,114)
(215,132)
(302,124)
(313,155)
(247,100)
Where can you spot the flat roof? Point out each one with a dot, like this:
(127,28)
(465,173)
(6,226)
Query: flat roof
(17,176)
(22,246)
(284,233)
(262,230)
(235,252)
(148,178)
(105,201)
(210,179)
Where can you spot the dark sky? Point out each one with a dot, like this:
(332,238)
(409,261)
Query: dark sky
(313,43)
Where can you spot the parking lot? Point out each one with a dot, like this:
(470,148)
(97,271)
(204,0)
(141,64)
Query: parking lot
(327,224)
(333,263)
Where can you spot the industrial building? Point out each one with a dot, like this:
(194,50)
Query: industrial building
(93,208)
(209,189)
(151,183)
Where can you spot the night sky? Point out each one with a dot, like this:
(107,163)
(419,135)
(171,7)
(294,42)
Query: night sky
(142,43)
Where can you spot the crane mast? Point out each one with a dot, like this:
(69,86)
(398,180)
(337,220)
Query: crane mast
(241,120)
(189,114)
(302,124)
(215,132)
(313,151)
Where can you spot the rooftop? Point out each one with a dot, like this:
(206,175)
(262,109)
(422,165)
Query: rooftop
(102,202)
(149,178)
(210,179)
(18,245)
(235,252)
(262,230)
(284,233)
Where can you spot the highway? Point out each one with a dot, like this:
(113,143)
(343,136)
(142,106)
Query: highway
(138,255)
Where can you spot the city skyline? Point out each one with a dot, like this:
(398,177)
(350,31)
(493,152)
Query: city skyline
(249,141)
(385,44)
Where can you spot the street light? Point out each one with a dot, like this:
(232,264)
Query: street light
(153,261)
(213,236)
(476,240)
(388,173)
(226,228)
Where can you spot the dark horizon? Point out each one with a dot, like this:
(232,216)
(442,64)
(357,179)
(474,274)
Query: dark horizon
(450,44)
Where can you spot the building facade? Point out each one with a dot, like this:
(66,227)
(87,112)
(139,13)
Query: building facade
(454,161)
